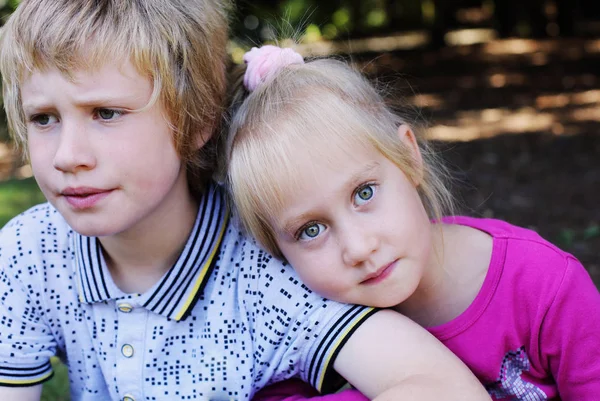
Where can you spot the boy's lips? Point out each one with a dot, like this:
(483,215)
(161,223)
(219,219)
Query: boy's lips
(380,274)
(84,197)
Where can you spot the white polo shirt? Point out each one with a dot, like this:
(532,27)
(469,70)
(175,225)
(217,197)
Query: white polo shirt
(224,321)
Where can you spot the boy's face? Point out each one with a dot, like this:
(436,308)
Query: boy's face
(108,170)
(354,227)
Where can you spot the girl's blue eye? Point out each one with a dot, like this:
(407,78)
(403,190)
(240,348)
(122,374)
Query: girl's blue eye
(311,232)
(364,194)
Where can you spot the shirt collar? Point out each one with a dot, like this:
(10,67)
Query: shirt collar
(177,291)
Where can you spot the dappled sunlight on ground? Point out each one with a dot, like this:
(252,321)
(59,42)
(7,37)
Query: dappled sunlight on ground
(499,87)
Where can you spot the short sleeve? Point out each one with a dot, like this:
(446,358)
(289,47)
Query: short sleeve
(297,332)
(570,335)
(26,344)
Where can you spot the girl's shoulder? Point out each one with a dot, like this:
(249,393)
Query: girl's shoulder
(495,227)
(500,229)
(515,245)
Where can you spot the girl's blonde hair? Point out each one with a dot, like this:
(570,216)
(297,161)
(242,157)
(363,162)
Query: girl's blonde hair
(178,44)
(319,102)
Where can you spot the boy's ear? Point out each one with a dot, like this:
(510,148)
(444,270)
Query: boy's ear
(407,136)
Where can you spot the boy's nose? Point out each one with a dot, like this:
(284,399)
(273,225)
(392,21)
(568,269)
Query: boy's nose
(73,150)
(358,244)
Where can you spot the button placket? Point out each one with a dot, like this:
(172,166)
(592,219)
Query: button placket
(132,321)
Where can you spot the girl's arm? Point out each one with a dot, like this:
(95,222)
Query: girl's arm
(389,357)
(297,390)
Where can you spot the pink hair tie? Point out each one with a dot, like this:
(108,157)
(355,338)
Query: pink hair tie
(266,60)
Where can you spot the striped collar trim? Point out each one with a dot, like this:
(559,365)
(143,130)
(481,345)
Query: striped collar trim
(177,291)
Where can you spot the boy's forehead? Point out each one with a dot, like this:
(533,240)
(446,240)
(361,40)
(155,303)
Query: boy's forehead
(80,72)
(74,66)
(118,82)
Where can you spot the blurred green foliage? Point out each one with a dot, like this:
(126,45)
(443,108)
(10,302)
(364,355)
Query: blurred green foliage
(16,196)
(57,388)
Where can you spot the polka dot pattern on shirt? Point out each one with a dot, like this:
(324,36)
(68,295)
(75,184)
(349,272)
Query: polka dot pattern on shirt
(214,327)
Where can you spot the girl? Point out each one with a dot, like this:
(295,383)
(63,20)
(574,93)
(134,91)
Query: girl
(327,177)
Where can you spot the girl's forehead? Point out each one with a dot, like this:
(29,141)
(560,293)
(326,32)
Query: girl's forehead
(330,146)
(306,159)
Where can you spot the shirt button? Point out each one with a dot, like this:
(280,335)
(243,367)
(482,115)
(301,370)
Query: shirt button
(128,398)
(127,351)
(125,307)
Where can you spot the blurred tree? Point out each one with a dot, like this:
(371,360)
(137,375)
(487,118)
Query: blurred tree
(520,18)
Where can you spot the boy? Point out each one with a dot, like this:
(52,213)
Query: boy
(133,272)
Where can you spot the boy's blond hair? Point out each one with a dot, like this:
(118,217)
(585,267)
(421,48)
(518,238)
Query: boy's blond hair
(179,44)
(314,106)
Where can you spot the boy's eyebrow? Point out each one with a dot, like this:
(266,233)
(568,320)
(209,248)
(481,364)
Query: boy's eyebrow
(35,106)
(82,102)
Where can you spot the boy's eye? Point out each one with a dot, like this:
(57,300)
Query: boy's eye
(364,194)
(108,114)
(311,231)
(43,119)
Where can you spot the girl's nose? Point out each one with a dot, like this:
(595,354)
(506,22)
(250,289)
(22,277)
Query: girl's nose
(358,244)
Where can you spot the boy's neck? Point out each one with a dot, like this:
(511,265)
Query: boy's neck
(139,258)
(458,265)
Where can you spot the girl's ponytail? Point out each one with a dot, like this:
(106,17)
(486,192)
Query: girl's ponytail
(260,64)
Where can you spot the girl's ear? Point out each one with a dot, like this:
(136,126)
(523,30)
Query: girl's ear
(407,136)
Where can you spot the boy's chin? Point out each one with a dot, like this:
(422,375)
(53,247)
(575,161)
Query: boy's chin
(90,225)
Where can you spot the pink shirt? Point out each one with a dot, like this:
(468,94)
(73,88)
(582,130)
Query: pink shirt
(533,331)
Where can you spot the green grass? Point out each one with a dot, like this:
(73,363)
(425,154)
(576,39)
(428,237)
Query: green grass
(57,388)
(15,197)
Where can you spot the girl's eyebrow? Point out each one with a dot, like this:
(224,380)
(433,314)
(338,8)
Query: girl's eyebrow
(361,174)
(290,226)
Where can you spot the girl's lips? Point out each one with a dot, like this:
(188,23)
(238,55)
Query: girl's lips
(380,274)
(84,198)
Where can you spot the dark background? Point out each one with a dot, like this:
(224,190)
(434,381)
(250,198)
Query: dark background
(510,91)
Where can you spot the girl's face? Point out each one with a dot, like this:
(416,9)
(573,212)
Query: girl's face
(354,226)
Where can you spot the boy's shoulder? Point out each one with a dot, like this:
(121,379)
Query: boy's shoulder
(33,230)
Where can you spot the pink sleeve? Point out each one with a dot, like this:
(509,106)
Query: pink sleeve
(570,337)
(297,390)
